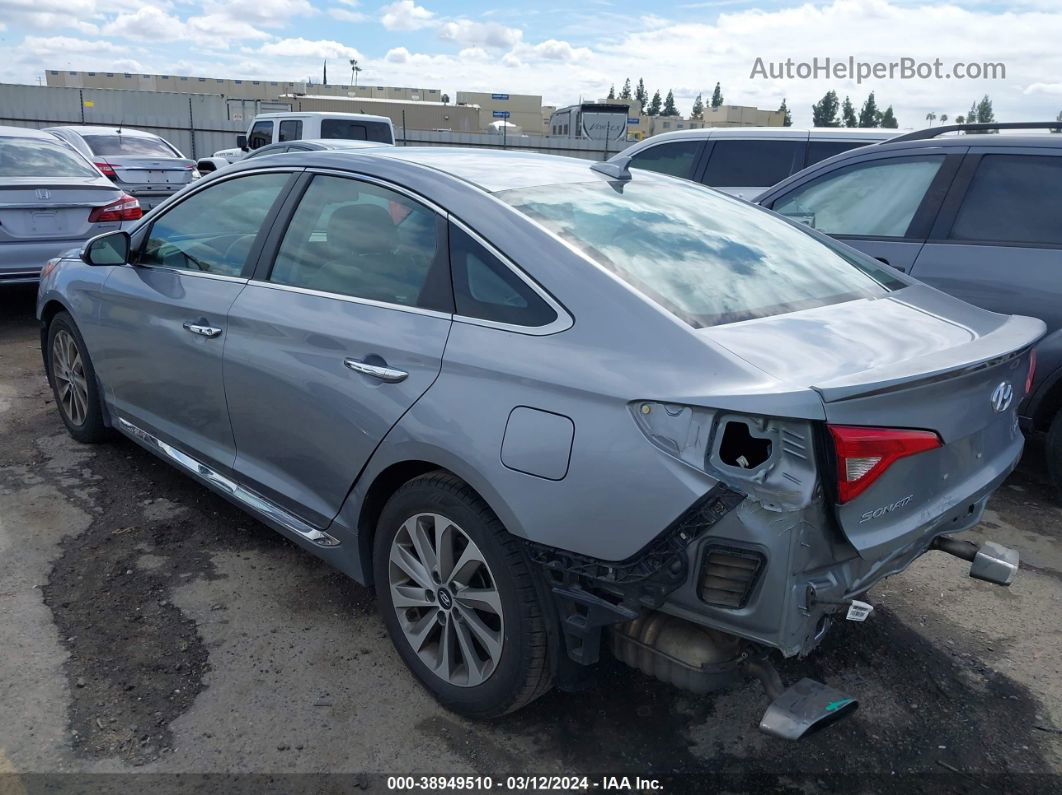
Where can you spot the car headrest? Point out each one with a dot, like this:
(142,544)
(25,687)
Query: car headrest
(362,228)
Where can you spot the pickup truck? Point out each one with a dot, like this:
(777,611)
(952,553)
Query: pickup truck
(268,128)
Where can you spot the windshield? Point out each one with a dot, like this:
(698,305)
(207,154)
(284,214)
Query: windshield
(129,145)
(27,157)
(707,258)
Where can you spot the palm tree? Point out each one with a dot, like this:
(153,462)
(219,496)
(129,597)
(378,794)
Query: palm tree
(931,117)
(943,117)
(354,69)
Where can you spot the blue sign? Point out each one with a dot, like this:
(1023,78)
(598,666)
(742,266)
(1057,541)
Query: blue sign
(499,96)
(500,114)
(632,120)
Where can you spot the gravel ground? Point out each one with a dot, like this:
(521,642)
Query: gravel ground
(149,627)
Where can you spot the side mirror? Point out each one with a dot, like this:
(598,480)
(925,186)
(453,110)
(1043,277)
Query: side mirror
(241,142)
(110,248)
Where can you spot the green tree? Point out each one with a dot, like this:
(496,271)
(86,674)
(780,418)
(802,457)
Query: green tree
(888,119)
(869,115)
(669,105)
(698,108)
(960,119)
(641,94)
(985,114)
(787,117)
(625,92)
(824,112)
(654,105)
(611,92)
(971,117)
(717,97)
(848,115)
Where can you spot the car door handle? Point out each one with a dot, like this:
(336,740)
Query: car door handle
(384,373)
(202,329)
(884,261)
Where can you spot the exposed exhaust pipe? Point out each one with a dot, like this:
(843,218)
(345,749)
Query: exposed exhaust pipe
(990,562)
(703,660)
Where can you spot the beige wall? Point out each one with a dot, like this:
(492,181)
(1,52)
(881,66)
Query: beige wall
(419,115)
(525,110)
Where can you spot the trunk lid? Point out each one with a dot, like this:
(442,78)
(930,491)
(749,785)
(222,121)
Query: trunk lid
(39,208)
(133,171)
(915,359)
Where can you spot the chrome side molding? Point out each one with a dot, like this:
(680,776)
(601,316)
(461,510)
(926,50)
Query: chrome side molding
(255,502)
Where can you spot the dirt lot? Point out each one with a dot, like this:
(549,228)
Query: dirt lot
(148,626)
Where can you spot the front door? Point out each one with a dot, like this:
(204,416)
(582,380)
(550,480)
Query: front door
(329,349)
(162,322)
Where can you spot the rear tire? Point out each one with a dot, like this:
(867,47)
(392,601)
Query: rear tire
(1053,451)
(469,620)
(73,381)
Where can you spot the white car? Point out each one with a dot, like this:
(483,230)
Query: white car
(745,161)
(271,128)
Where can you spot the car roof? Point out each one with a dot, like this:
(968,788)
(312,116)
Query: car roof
(320,114)
(761,133)
(1038,140)
(491,170)
(99,129)
(28,132)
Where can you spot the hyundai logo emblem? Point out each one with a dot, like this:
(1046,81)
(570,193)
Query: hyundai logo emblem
(1002,397)
(43,194)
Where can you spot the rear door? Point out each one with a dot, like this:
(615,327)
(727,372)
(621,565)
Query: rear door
(336,337)
(881,204)
(162,325)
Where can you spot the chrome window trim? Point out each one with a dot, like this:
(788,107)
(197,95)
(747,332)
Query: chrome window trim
(350,299)
(563,321)
(220,277)
(255,502)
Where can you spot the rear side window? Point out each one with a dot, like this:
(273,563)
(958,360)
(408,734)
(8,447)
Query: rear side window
(485,288)
(27,157)
(1013,199)
(366,241)
(752,164)
(820,150)
(104,145)
(353,130)
(876,199)
(261,134)
(291,130)
(675,158)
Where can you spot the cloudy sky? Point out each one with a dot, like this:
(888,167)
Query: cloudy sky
(560,49)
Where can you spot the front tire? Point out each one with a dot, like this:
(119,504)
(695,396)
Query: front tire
(459,600)
(1053,450)
(73,381)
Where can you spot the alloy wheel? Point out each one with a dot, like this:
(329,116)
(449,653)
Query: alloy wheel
(446,600)
(68,370)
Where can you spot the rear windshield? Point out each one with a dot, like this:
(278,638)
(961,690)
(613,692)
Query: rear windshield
(708,258)
(357,130)
(27,157)
(104,145)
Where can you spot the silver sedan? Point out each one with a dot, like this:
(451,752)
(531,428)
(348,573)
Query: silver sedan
(51,199)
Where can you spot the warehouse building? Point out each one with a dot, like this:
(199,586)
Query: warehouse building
(416,115)
(523,110)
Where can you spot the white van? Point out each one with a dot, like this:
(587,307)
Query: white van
(745,161)
(268,128)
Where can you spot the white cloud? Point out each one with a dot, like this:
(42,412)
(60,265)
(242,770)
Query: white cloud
(266,13)
(469,33)
(346,15)
(554,50)
(397,55)
(306,48)
(69,45)
(406,15)
(1043,88)
(211,31)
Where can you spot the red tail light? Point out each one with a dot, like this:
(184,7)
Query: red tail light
(107,169)
(863,454)
(126,208)
(1032,371)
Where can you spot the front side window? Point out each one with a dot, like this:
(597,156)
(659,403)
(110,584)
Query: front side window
(1013,199)
(105,145)
(485,288)
(213,230)
(675,158)
(290,130)
(362,240)
(707,258)
(28,157)
(261,134)
(875,199)
(752,164)
(356,130)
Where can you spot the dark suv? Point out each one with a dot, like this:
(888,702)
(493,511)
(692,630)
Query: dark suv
(976,215)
